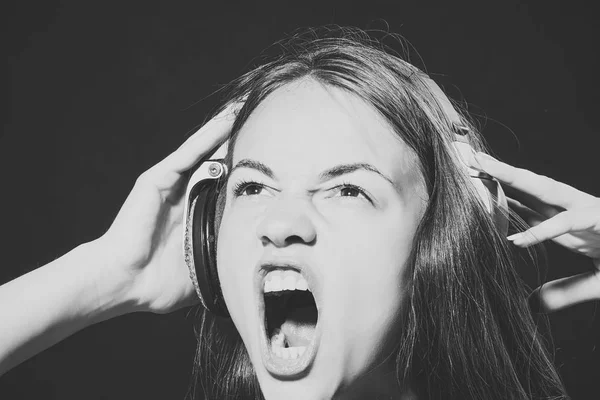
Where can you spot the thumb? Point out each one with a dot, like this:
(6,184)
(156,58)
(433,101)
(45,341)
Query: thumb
(566,292)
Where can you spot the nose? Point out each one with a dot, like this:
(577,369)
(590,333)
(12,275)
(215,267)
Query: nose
(287,223)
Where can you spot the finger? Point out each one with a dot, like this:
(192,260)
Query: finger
(533,218)
(565,222)
(533,203)
(545,189)
(207,138)
(566,292)
(530,216)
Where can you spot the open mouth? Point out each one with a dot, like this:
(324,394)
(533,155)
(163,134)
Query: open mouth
(290,322)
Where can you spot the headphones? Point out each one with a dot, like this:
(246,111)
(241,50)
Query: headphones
(203,207)
(199,236)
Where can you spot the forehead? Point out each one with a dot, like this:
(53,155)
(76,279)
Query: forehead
(305,127)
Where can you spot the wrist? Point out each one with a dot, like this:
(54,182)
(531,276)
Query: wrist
(109,285)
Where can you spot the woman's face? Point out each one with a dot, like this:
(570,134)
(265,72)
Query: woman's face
(323,196)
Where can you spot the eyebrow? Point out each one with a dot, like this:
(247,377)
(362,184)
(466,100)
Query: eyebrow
(343,169)
(324,176)
(252,164)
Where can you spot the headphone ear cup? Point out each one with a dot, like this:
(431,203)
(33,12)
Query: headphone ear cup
(203,243)
(188,246)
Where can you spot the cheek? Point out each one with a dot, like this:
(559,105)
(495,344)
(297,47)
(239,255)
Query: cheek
(372,253)
(370,286)
(374,267)
(236,260)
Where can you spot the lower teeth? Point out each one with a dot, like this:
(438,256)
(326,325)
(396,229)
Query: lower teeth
(288,353)
(278,347)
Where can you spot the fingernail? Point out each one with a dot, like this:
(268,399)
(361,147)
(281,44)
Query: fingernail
(514,236)
(523,239)
(518,239)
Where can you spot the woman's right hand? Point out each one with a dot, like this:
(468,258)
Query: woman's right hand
(137,265)
(144,245)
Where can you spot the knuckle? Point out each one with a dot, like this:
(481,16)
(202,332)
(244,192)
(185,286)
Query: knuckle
(565,218)
(146,178)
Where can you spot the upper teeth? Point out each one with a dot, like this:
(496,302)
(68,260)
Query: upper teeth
(277,280)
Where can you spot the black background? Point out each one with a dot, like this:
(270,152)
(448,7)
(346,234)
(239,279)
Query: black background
(97,92)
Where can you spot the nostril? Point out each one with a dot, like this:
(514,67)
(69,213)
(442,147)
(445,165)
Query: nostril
(297,239)
(290,240)
(293,239)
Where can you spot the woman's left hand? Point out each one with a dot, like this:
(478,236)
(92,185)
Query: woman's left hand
(558,212)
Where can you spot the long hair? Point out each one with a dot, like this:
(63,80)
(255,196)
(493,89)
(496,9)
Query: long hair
(467,331)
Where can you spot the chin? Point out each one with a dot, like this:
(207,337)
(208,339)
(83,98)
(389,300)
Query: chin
(330,374)
(274,389)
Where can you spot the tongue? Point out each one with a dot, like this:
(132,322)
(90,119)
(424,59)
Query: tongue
(299,326)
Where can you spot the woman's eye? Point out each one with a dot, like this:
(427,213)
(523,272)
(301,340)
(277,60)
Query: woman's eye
(248,189)
(350,190)
(252,190)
